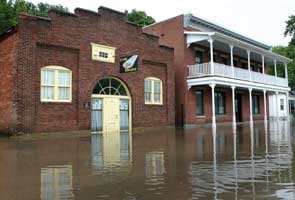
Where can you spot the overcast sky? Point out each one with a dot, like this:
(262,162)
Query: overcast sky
(262,20)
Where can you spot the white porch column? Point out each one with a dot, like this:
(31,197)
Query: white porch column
(210,40)
(232,59)
(249,63)
(277,104)
(250,105)
(213,105)
(275,65)
(287,105)
(233,104)
(265,109)
(263,70)
(286,70)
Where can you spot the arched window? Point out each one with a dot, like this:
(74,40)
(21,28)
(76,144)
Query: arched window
(110,86)
(56,84)
(153,92)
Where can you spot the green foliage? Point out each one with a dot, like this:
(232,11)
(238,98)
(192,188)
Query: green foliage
(290,29)
(10,9)
(289,52)
(140,18)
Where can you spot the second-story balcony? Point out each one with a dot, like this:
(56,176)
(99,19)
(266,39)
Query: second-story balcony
(226,71)
(243,56)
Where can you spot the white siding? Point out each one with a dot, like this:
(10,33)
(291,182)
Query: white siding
(274,105)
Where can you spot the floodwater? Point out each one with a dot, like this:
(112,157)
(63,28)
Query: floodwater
(192,163)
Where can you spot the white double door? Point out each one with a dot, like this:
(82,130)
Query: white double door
(114,113)
(111,114)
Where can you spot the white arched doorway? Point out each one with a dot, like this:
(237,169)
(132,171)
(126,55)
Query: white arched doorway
(110,106)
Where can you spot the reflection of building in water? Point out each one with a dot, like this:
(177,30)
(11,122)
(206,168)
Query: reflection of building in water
(200,146)
(279,132)
(270,158)
(110,149)
(97,150)
(155,170)
(56,182)
(154,164)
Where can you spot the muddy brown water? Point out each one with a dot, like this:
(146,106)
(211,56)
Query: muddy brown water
(192,163)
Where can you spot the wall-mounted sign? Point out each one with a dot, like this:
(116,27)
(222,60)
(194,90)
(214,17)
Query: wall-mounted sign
(128,63)
(103,53)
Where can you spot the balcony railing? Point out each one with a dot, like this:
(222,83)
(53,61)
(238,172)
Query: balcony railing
(201,70)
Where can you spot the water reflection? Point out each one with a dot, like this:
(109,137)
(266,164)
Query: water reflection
(233,175)
(110,151)
(243,162)
(154,171)
(56,182)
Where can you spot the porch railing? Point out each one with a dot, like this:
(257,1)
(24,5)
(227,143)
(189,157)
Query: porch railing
(201,70)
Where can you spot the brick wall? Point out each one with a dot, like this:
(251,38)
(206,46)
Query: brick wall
(64,39)
(8,46)
(171,34)
(193,118)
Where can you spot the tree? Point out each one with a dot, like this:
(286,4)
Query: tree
(289,52)
(10,9)
(140,18)
(290,29)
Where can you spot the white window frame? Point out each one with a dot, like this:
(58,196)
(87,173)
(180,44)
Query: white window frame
(153,80)
(98,50)
(282,104)
(56,86)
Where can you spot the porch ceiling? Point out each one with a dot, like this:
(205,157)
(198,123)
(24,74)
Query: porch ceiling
(228,82)
(222,43)
(237,51)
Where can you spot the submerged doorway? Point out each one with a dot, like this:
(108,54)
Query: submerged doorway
(238,107)
(110,106)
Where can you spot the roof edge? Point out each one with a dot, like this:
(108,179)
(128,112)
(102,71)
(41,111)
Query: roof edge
(228,31)
(9,30)
(165,20)
(267,51)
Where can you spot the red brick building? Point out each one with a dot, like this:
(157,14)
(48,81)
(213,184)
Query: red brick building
(221,75)
(73,71)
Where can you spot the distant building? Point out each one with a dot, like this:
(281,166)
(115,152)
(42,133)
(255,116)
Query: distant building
(222,76)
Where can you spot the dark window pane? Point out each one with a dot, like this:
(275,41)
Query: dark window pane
(122,91)
(199,102)
(115,84)
(255,104)
(214,57)
(224,60)
(219,103)
(244,65)
(199,57)
(236,63)
(282,104)
(113,91)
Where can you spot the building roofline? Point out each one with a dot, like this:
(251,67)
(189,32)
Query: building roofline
(222,29)
(112,10)
(6,32)
(62,12)
(159,22)
(85,10)
(24,15)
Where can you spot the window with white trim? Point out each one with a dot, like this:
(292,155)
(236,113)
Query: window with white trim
(282,106)
(153,92)
(56,84)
